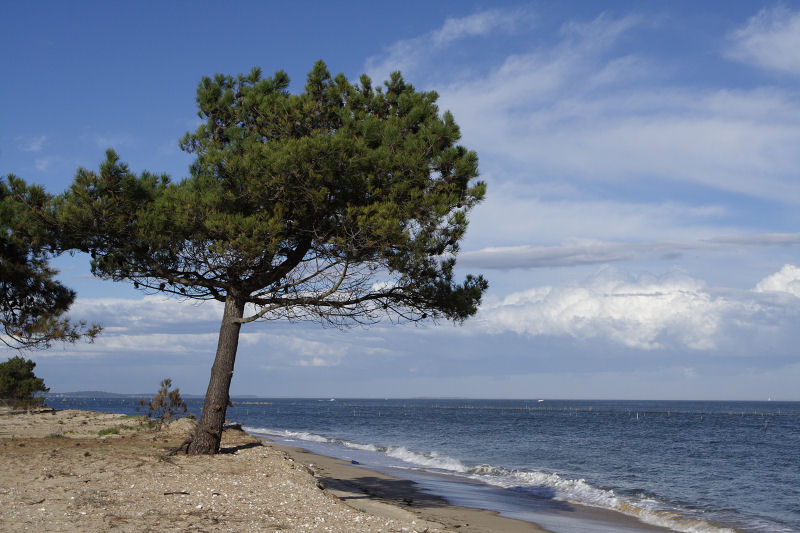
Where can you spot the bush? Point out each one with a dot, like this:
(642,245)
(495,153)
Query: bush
(165,405)
(18,383)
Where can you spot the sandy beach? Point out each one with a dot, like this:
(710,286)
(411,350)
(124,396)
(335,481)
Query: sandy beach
(76,470)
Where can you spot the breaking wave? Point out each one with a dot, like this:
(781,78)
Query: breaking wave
(535,483)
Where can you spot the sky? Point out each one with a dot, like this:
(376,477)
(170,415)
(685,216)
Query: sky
(640,232)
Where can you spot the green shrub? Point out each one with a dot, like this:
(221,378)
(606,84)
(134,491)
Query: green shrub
(19,384)
(166,404)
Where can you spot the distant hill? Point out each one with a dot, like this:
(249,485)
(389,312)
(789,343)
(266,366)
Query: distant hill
(104,394)
(89,394)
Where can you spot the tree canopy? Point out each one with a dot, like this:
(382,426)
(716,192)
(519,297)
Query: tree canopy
(32,302)
(18,383)
(344,204)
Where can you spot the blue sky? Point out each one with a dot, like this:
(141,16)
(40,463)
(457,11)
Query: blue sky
(640,232)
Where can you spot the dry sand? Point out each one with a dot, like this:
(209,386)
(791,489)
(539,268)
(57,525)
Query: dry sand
(58,474)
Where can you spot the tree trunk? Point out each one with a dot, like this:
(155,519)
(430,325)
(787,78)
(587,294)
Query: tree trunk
(209,429)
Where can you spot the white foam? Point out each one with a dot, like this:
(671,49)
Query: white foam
(550,485)
(365,447)
(487,470)
(579,491)
(286,434)
(430,460)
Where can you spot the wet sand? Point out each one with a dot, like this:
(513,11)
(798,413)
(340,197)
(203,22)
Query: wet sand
(380,493)
(372,491)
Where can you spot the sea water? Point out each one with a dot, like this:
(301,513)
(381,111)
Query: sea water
(686,466)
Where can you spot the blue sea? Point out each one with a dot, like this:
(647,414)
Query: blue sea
(683,465)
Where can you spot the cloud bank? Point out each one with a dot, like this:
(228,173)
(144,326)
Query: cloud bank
(587,107)
(770,40)
(409,55)
(785,281)
(647,313)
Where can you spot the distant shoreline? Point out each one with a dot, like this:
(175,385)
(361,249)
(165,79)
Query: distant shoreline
(234,398)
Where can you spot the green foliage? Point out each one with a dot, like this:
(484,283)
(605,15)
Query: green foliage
(108,431)
(165,405)
(344,204)
(18,383)
(32,302)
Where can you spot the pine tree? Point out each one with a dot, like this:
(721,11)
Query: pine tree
(19,384)
(165,405)
(343,204)
(32,302)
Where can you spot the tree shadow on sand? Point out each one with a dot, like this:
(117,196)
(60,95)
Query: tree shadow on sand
(405,493)
(234,449)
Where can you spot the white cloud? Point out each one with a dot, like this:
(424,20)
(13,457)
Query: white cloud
(786,280)
(43,163)
(113,343)
(640,313)
(537,117)
(293,347)
(148,314)
(770,40)
(674,312)
(317,361)
(407,55)
(601,32)
(105,141)
(644,312)
(157,323)
(33,144)
(526,81)
(157,342)
(579,110)
(455,28)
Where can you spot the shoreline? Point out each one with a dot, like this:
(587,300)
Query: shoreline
(75,470)
(365,487)
(380,493)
